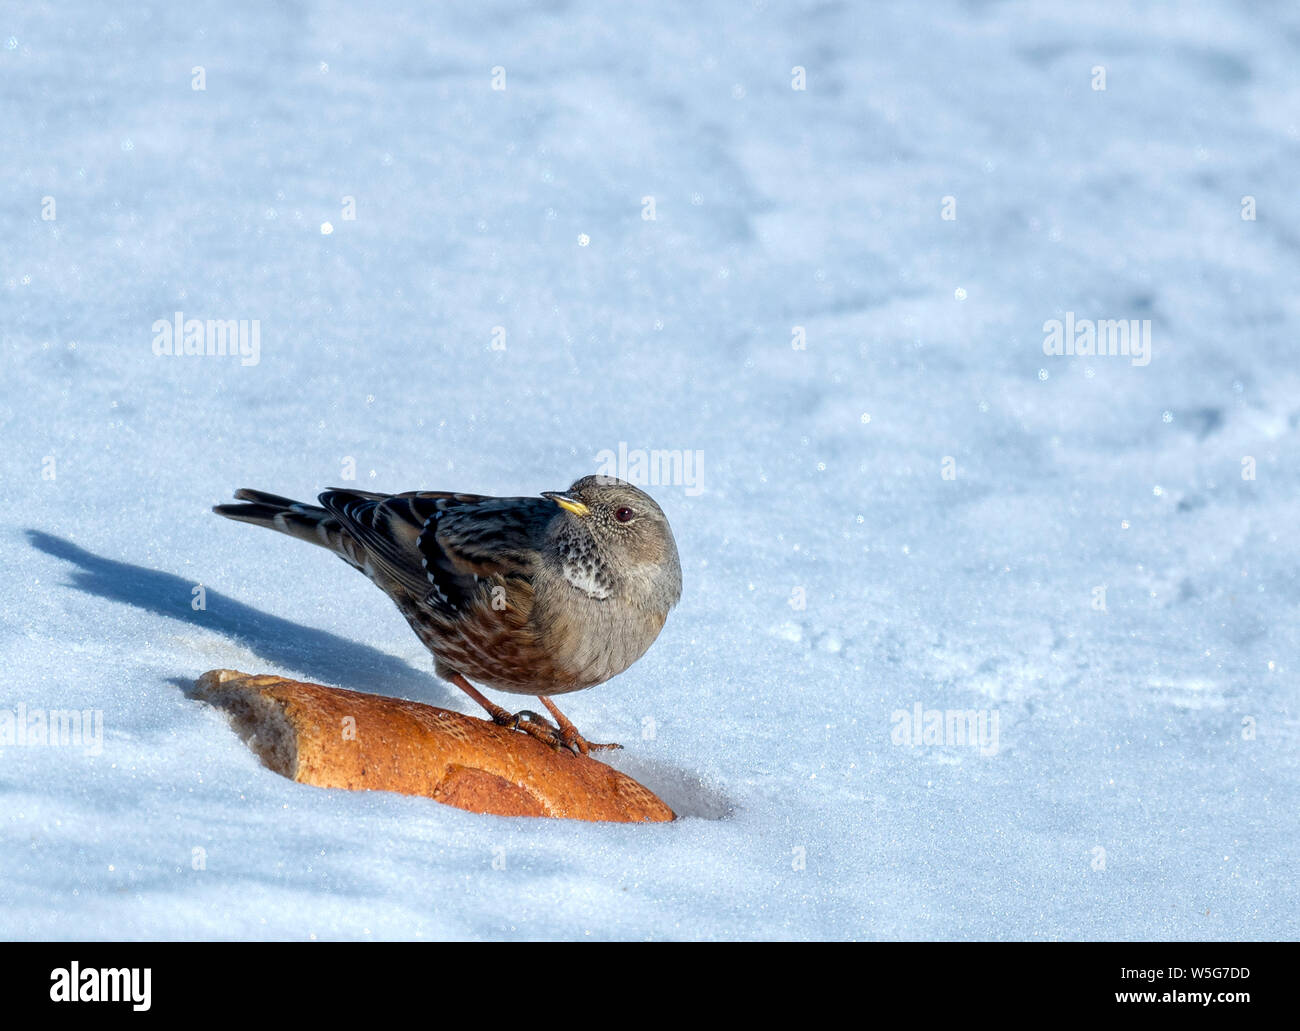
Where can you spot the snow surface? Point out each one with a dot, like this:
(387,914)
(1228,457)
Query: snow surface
(1145,780)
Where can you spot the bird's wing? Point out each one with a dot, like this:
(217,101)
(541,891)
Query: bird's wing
(438,545)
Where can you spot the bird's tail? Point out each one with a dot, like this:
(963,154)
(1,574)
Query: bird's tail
(309,523)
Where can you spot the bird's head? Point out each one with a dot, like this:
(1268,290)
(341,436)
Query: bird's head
(614,539)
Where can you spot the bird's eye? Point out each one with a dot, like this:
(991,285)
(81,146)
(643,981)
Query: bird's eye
(624,514)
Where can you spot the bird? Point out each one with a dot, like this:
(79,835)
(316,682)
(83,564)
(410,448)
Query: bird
(526,595)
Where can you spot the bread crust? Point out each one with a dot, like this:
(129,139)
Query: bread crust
(333,738)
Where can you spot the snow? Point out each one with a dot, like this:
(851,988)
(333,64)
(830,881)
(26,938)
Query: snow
(1144,781)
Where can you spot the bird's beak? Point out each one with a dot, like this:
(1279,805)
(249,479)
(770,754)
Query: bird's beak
(569,504)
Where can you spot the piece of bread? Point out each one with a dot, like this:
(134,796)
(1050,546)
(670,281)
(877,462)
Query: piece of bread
(342,739)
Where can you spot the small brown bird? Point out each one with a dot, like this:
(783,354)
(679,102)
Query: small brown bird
(533,596)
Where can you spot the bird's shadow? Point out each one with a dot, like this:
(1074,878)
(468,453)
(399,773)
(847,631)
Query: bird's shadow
(317,654)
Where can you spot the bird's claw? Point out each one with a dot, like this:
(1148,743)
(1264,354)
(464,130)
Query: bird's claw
(521,719)
(579,745)
(536,725)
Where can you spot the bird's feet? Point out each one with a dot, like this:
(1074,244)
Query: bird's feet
(568,733)
(565,735)
(536,725)
(531,723)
